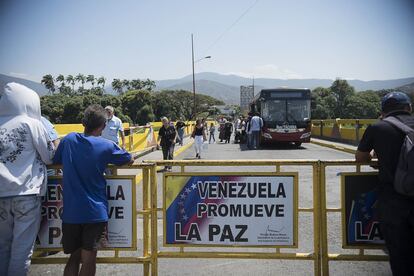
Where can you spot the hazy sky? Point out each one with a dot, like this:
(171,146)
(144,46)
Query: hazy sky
(358,39)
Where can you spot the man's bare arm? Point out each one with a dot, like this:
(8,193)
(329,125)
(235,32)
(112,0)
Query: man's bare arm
(362,157)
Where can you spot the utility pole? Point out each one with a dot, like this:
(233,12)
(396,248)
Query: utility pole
(253,86)
(194,95)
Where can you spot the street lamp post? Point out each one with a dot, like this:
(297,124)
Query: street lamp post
(192,59)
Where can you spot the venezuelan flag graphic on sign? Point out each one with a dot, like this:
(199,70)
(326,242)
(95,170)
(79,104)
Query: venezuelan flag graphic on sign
(182,197)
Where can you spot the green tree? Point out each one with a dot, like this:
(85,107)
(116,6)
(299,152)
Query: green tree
(49,83)
(136,84)
(101,81)
(81,79)
(117,86)
(132,101)
(91,80)
(63,89)
(126,84)
(52,106)
(149,85)
(145,114)
(73,111)
(71,81)
(363,105)
(341,90)
(114,101)
(89,99)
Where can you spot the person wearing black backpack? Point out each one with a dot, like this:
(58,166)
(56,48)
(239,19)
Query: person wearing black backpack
(391,140)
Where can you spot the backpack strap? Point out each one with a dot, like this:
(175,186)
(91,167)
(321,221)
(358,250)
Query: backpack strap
(398,124)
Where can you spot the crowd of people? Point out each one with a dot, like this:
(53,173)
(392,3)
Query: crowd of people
(246,130)
(28,142)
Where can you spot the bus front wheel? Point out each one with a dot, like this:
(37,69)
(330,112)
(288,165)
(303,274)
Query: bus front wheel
(298,144)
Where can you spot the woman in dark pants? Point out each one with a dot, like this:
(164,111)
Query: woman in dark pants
(167,135)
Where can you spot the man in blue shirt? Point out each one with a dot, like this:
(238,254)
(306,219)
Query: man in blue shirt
(84,157)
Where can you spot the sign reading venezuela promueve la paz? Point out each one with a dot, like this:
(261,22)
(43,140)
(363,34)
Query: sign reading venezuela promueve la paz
(223,209)
(121,196)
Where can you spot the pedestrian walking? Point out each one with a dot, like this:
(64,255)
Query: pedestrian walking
(180,125)
(212,130)
(249,131)
(199,136)
(222,124)
(166,140)
(228,129)
(395,207)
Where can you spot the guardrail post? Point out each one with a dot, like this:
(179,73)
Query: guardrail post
(316,218)
(357,127)
(131,140)
(154,220)
(324,217)
(321,128)
(145,207)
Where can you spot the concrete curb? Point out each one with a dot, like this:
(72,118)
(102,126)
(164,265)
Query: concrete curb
(333,146)
(183,148)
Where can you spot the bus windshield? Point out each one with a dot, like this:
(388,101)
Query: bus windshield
(298,110)
(282,111)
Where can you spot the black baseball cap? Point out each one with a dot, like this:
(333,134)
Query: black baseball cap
(394,99)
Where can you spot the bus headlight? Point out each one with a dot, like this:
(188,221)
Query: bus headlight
(305,135)
(267,136)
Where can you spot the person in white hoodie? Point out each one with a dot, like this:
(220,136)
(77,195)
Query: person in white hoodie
(25,149)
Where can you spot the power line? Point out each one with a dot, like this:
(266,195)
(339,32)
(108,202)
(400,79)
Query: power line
(231,26)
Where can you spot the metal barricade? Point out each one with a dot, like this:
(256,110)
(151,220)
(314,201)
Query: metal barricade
(314,209)
(326,255)
(150,210)
(146,213)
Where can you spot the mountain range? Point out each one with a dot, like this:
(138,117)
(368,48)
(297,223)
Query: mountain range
(227,87)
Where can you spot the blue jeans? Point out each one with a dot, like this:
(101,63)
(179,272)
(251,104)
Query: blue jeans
(19,224)
(180,133)
(255,136)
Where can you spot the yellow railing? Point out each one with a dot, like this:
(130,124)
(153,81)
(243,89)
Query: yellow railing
(137,139)
(346,130)
(312,175)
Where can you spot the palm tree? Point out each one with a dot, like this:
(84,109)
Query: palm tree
(126,84)
(71,80)
(149,84)
(61,78)
(49,83)
(91,79)
(136,84)
(101,81)
(81,78)
(117,86)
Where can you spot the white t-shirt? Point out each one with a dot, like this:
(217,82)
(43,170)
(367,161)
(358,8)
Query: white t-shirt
(112,129)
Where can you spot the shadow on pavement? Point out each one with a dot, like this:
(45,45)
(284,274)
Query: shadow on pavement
(279,146)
